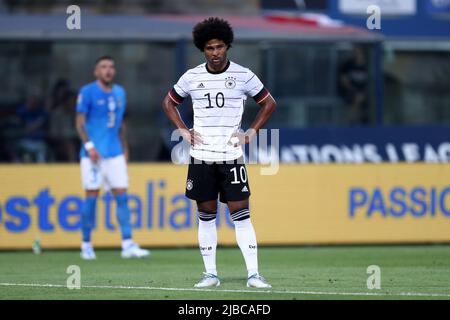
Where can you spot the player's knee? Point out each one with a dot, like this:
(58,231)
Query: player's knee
(207,216)
(207,206)
(240,215)
(92,193)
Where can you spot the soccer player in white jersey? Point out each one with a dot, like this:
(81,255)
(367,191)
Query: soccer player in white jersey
(104,154)
(219,89)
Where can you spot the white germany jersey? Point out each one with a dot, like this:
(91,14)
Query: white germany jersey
(218,101)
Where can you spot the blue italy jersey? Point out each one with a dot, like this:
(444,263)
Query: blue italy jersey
(104,113)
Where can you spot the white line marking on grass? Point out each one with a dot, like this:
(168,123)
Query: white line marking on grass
(369,294)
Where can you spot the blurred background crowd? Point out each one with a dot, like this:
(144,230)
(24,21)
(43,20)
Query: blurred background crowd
(317,58)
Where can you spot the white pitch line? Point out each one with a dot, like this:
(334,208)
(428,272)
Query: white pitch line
(408,294)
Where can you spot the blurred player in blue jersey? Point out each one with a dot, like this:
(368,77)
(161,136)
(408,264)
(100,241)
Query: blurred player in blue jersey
(104,154)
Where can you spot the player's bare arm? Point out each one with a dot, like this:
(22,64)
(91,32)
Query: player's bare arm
(123,140)
(170,108)
(268,106)
(90,148)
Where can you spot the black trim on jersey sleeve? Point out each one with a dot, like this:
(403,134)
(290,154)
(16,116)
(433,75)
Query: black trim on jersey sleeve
(175,96)
(262,95)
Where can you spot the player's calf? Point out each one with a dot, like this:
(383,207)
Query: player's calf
(207,240)
(246,239)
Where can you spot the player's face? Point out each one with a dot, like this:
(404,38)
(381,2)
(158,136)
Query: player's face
(105,71)
(216,54)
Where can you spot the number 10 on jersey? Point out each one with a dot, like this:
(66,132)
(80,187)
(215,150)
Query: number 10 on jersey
(220,100)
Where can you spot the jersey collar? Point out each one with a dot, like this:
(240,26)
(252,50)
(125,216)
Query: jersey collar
(218,72)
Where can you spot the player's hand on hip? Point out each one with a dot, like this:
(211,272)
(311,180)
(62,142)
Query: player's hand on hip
(241,138)
(94,155)
(191,136)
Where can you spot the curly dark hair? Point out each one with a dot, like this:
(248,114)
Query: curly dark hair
(212,28)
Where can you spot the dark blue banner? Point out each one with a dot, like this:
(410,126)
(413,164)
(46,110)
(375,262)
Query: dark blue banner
(438,6)
(429,144)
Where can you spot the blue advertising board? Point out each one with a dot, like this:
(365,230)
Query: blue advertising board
(429,144)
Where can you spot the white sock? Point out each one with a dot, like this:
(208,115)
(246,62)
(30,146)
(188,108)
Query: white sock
(126,243)
(86,245)
(207,240)
(246,239)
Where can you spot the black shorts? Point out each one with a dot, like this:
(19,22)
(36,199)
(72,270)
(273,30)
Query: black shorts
(207,180)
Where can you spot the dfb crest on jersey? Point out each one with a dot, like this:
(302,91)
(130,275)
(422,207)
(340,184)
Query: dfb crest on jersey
(230,82)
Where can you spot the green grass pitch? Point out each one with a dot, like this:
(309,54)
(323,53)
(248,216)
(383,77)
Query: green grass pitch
(337,272)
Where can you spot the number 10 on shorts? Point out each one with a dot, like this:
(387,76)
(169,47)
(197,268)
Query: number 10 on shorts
(242,175)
